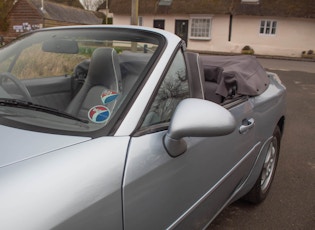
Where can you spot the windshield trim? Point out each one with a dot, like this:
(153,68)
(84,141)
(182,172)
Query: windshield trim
(134,34)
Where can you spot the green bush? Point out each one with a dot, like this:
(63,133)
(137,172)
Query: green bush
(308,54)
(247,50)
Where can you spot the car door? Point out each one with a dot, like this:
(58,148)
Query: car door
(161,191)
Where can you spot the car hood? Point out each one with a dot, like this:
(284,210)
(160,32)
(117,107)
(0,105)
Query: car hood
(60,181)
(18,145)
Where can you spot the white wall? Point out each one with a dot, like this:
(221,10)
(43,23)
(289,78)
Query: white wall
(293,35)
(219,37)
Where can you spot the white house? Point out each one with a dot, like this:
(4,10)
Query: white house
(282,27)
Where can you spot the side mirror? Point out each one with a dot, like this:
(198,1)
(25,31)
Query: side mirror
(196,118)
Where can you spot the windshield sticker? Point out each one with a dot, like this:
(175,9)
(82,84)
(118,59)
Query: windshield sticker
(108,96)
(99,114)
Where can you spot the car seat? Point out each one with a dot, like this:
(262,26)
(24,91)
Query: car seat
(103,74)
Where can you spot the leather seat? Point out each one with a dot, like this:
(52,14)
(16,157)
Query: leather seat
(103,74)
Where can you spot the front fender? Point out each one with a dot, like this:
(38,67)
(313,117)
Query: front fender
(77,187)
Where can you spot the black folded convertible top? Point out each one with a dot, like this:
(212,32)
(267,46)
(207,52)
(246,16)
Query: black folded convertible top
(243,71)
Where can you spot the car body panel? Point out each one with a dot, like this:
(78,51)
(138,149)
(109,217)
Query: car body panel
(66,188)
(214,165)
(26,148)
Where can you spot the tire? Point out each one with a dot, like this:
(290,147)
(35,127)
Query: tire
(262,186)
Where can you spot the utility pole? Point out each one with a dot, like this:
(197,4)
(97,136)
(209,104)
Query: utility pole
(134,20)
(134,12)
(106,12)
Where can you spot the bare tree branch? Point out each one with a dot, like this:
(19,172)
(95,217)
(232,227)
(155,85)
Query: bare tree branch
(92,4)
(5,6)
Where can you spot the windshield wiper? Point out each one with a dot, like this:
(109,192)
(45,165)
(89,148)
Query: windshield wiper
(29,105)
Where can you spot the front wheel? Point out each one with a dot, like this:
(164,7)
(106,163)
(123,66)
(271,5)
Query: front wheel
(262,186)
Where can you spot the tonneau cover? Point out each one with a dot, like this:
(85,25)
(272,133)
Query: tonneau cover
(244,71)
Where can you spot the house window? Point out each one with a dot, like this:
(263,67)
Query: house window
(140,21)
(200,27)
(250,1)
(268,27)
(159,23)
(165,2)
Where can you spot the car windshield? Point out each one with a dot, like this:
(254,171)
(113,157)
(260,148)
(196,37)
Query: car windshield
(73,79)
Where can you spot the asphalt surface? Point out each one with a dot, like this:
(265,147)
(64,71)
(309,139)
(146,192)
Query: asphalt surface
(291,201)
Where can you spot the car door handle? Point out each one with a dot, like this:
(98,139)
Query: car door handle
(247,124)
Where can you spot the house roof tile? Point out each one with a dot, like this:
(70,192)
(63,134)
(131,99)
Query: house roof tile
(60,12)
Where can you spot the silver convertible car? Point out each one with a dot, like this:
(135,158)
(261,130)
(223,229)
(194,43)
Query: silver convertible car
(120,127)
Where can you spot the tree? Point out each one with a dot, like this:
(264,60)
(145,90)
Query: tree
(92,4)
(5,6)
(74,3)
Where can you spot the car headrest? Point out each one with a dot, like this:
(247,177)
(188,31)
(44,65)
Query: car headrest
(104,69)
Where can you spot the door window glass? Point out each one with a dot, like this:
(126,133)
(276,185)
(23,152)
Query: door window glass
(173,89)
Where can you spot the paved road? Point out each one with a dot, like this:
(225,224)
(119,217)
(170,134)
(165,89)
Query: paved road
(291,201)
(288,65)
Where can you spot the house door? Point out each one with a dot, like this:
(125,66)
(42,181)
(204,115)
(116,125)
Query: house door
(181,29)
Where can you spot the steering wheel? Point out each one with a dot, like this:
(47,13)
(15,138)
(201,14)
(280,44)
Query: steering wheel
(21,87)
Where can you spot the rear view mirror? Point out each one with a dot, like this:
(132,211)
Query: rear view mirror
(60,46)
